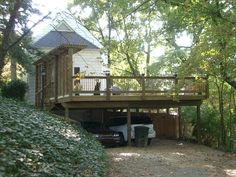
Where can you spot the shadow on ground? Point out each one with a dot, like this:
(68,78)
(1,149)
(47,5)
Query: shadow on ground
(169,158)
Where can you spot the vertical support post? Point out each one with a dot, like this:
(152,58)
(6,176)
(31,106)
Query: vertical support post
(129,126)
(43,77)
(143,86)
(103,110)
(168,111)
(108,85)
(36,85)
(56,78)
(198,124)
(69,71)
(179,123)
(67,113)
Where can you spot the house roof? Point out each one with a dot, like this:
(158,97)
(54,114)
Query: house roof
(65,22)
(54,39)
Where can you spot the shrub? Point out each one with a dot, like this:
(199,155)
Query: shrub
(210,125)
(15,89)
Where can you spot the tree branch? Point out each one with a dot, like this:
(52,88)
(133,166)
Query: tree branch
(27,32)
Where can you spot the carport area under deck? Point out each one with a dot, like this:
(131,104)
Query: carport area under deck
(131,102)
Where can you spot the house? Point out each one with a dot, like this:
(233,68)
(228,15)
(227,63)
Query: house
(66,31)
(70,79)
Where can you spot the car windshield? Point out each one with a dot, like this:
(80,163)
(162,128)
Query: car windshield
(121,120)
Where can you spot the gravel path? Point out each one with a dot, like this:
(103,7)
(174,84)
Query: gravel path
(166,158)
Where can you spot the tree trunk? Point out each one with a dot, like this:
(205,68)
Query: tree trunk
(109,39)
(148,59)
(2,62)
(6,34)
(13,69)
(230,117)
(221,110)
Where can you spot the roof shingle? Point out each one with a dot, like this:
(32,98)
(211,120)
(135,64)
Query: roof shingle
(54,39)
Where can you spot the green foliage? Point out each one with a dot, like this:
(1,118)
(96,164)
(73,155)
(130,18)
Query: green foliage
(127,33)
(14,20)
(15,89)
(210,126)
(210,129)
(23,53)
(34,143)
(188,114)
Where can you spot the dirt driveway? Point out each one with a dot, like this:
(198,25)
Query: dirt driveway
(167,158)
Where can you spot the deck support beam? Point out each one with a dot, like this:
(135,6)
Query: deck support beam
(108,87)
(198,124)
(129,126)
(179,123)
(67,113)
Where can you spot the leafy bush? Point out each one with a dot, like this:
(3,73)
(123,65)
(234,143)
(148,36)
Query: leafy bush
(15,89)
(35,143)
(210,125)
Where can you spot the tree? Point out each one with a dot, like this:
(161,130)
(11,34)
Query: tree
(123,30)
(13,24)
(212,26)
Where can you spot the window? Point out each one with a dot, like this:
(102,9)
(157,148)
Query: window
(76,70)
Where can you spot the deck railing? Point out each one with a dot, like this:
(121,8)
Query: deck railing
(140,86)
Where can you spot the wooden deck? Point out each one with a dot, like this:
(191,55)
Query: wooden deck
(56,84)
(133,92)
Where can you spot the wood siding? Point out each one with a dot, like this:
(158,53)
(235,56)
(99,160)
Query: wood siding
(166,126)
(89,61)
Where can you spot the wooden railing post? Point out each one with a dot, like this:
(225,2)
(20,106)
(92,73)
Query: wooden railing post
(108,85)
(143,86)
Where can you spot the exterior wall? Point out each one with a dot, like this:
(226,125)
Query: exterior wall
(30,95)
(165,125)
(89,61)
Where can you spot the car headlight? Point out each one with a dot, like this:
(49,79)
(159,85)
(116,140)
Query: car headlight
(116,135)
(96,136)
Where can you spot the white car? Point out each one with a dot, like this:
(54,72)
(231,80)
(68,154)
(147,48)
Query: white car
(119,124)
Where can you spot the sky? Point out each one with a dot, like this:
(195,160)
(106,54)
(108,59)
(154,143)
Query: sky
(45,6)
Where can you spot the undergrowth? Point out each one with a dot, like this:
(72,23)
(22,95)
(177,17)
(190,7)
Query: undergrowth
(34,143)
